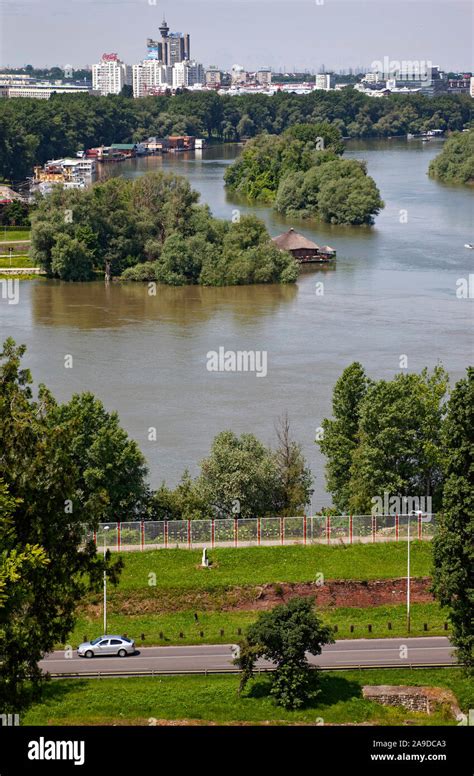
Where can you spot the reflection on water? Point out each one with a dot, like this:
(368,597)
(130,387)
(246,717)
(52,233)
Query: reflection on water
(392,292)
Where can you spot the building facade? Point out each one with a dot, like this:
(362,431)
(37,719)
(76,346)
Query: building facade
(150,75)
(110,75)
(324,81)
(187,73)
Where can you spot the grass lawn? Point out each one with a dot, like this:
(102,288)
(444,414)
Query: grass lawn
(211,623)
(14,234)
(214,699)
(180,569)
(16,261)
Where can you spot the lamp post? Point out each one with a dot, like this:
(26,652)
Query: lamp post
(106,528)
(417,514)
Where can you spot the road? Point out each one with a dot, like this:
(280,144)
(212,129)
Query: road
(398,653)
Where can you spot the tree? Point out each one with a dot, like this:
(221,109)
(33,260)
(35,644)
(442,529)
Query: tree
(71,259)
(47,564)
(284,635)
(295,478)
(453,544)
(340,436)
(399,445)
(239,478)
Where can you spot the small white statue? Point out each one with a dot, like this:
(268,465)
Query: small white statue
(205,559)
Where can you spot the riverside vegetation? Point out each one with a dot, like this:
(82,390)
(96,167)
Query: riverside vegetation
(151,229)
(455,163)
(302,174)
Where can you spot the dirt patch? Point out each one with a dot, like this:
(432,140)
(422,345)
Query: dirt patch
(334,593)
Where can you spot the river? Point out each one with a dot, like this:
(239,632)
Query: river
(391,294)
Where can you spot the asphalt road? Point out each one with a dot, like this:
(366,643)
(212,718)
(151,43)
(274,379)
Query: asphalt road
(397,653)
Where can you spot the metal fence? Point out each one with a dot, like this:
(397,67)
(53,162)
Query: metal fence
(261,531)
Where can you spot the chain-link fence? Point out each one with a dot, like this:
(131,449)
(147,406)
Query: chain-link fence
(254,532)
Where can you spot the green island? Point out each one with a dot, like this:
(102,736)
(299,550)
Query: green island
(151,229)
(455,163)
(301,173)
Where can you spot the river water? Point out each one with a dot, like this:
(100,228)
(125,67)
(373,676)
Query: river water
(392,294)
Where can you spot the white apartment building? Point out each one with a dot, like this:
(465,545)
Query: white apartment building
(110,75)
(150,74)
(324,81)
(42,91)
(264,76)
(187,73)
(471,86)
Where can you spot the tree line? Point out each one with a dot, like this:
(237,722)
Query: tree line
(151,228)
(33,131)
(302,174)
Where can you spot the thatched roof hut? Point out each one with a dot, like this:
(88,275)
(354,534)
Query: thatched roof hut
(302,248)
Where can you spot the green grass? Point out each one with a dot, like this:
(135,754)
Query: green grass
(14,234)
(211,623)
(215,699)
(180,569)
(16,261)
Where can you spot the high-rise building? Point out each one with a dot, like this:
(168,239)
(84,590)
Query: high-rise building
(264,76)
(150,75)
(110,75)
(239,75)
(174,46)
(187,73)
(324,81)
(213,76)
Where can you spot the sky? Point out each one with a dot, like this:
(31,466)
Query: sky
(283,34)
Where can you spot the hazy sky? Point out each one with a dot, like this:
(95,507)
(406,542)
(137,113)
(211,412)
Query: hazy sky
(289,33)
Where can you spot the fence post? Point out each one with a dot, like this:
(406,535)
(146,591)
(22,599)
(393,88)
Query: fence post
(328,529)
(189,534)
(282,531)
(420,529)
(258,531)
(304,529)
(213,533)
(95,538)
(374,526)
(397,528)
(236,532)
(118,536)
(166,534)
(350,529)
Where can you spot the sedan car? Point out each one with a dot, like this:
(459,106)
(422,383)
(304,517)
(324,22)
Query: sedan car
(107,645)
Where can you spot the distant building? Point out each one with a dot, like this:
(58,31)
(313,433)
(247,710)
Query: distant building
(238,75)
(324,81)
(42,90)
(264,76)
(150,75)
(174,46)
(213,76)
(110,75)
(459,85)
(68,71)
(187,73)
(471,88)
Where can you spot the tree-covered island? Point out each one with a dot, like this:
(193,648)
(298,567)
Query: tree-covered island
(301,173)
(154,229)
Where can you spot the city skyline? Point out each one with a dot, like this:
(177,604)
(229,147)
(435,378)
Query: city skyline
(340,34)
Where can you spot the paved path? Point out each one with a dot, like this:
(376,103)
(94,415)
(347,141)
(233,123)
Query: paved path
(399,653)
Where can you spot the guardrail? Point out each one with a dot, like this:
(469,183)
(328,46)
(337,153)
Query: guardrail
(123,536)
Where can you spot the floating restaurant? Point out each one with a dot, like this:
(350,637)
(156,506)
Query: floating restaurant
(305,251)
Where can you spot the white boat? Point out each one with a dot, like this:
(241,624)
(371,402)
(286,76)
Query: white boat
(469,245)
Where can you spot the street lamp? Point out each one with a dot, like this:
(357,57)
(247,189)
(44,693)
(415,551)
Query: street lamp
(417,514)
(106,528)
